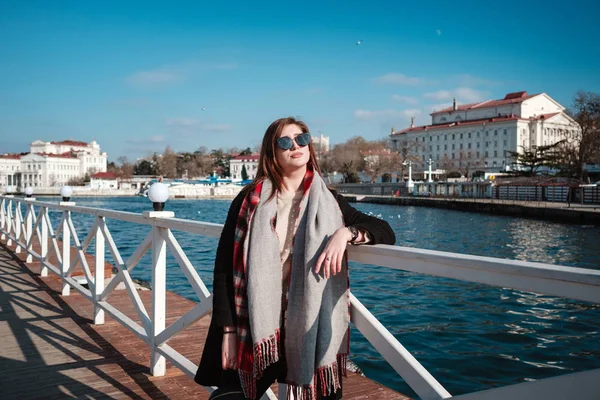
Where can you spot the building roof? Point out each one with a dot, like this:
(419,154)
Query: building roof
(72,143)
(510,98)
(104,175)
(12,156)
(493,120)
(56,155)
(251,157)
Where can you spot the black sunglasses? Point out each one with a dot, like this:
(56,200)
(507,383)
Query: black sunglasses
(286,142)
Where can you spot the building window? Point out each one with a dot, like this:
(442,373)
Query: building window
(477,154)
(453,146)
(486,133)
(477,133)
(430,148)
(445,147)
(461,146)
(494,163)
(445,137)
(487,144)
(495,143)
(469,145)
(486,153)
(505,132)
(438,138)
(504,143)
(453,156)
(469,135)
(431,138)
(438,147)
(469,154)
(495,132)
(495,153)
(437,157)
(453,136)
(478,144)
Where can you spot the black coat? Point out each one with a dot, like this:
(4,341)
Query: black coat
(209,371)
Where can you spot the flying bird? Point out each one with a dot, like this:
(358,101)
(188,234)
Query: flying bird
(203,108)
(359,42)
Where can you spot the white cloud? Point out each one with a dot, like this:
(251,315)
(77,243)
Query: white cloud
(405,99)
(154,78)
(145,141)
(385,115)
(182,122)
(462,94)
(217,127)
(172,74)
(471,80)
(191,126)
(399,79)
(438,107)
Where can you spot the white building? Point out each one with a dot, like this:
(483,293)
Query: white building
(104,180)
(237,163)
(321,143)
(479,136)
(50,164)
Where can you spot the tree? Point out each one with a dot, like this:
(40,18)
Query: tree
(530,160)
(348,159)
(246,152)
(167,164)
(585,146)
(144,167)
(244,173)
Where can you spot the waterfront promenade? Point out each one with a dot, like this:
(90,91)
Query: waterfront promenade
(52,349)
(554,211)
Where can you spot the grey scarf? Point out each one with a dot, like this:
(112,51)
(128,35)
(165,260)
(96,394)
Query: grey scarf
(316,322)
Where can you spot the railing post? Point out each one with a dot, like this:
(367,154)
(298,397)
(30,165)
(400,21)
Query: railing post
(2,217)
(66,252)
(17,226)
(159,290)
(98,274)
(29,230)
(44,240)
(8,220)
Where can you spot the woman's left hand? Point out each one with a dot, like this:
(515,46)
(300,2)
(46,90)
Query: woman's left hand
(332,256)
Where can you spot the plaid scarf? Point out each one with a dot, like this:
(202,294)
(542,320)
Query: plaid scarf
(317,334)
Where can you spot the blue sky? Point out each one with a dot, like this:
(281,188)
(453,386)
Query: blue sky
(135,75)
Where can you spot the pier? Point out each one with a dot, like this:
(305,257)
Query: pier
(109,338)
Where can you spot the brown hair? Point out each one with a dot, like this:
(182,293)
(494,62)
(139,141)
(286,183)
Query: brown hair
(268,167)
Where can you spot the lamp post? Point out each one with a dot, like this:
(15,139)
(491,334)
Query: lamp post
(28,191)
(158,195)
(66,192)
(410,183)
(429,163)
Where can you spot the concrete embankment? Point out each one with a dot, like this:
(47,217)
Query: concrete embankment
(575,214)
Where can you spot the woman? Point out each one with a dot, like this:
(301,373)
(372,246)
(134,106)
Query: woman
(280,306)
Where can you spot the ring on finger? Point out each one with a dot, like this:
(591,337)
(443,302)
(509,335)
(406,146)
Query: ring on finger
(328,258)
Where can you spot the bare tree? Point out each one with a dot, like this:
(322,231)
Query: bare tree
(584,147)
(167,164)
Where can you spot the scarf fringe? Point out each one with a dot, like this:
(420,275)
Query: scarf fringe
(265,353)
(327,378)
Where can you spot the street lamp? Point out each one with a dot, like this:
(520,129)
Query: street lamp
(430,163)
(66,192)
(158,194)
(409,184)
(28,191)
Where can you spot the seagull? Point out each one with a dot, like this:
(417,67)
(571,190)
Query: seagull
(203,108)
(359,42)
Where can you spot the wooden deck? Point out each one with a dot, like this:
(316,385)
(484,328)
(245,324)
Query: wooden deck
(51,349)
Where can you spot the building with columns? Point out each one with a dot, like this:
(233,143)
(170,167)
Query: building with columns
(50,164)
(236,165)
(479,136)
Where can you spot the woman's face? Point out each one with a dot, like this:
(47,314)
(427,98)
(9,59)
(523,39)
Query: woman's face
(295,158)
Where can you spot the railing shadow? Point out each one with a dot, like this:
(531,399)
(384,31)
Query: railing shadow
(34,323)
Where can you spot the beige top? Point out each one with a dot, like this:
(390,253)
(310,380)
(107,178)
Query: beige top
(288,213)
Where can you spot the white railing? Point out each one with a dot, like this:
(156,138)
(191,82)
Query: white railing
(575,283)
